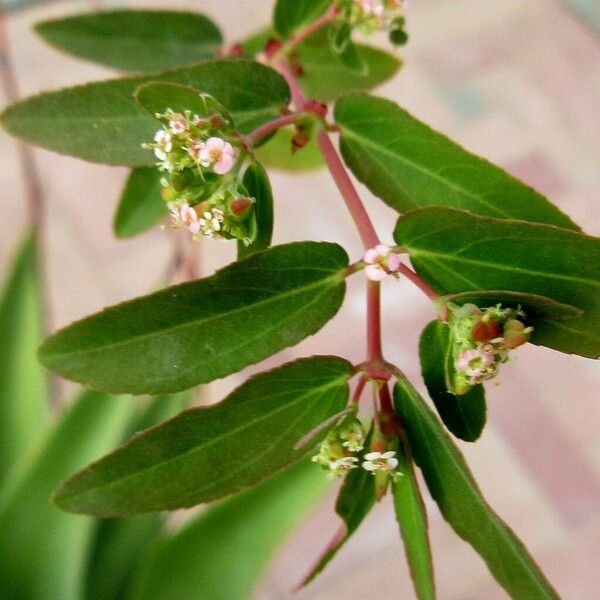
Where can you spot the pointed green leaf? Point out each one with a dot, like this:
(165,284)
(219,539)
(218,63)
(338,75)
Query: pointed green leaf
(23,393)
(327,77)
(352,58)
(463,415)
(456,251)
(43,549)
(141,205)
(291,15)
(409,165)
(276,153)
(257,184)
(120,545)
(205,564)
(206,329)
(535,306)
(412,519)
(135,40)
(453,488)
(102,122)
(209,453)
(354,502)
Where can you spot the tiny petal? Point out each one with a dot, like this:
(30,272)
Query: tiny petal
(369,466)
(382,250)
(393,261)
(373,455)
(375,273)
(371,256)
(389,454)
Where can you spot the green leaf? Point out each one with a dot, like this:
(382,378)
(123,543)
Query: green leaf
(453,488)
(141,205)
(23,393)
(408,165)
(277,153)
(354,502)
(412,519)
(537,307)
(43,549)
(291,15)
(257,184)
(352,57)
(327,77)
(455,251)
(463,415)
(208,453)
(135,40)
(205,564)
(157,97)
(202,330)
(101,122)
(120,545)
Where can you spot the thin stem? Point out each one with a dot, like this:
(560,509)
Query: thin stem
(351,198)
(269,126)
(311,28)
(418,281)
(358,390)
(299,98)
(374,352)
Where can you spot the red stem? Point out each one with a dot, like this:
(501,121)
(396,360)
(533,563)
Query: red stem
(311,28)
(374,353)
(420,283)
(358,390)
(269,126)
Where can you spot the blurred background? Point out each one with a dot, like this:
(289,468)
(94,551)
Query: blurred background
(516,81)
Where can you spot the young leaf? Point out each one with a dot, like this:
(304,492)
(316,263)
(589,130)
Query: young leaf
(350,55)
(23,393)
(141,205)
(412,519)
(535,306)
(204,564)
(209,453)
(276,153)
(327,77)
(463,415)
(456,251)
(408,165)
(120,546)
(206,329)
(355,500)
(135,40)
(101,122)
(291,15)
(43,549)
(256,181)
(461,503)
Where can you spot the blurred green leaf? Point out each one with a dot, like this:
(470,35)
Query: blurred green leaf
(23,393)
(222,553)
(120,545)
(464,415)
(354,502)
(277,153)
(101,122)
(461,503)
(456,251)
(140,205)
(409,165)
(291,15)
(207,453)
(43,549)
(206,329)
(412,518)
(257,184)
(135,40)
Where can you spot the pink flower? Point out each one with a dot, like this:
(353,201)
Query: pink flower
(178,124)
(218,154)
(477,363)
(381,261)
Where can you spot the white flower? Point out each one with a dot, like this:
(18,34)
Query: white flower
(218,154)
(342,465)
(210,224)
(165,145)
(381,261)
(178,124)
(378,461)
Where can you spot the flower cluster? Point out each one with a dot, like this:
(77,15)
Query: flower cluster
(482,339)
(199,158)
(380,262)
(342,442)
(374,15)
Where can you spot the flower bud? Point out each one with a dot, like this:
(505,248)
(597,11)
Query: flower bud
(515,333)
(299,140)
(483,331)
(240,208)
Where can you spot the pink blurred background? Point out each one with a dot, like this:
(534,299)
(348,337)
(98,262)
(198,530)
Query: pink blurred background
(516,81)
